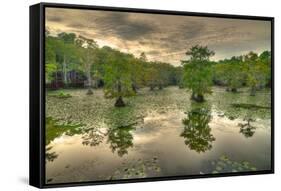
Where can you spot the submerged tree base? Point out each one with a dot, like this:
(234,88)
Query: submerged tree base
(119,102)
(253,91)
(90,92)
(135,88)
(233,90)
(197,98)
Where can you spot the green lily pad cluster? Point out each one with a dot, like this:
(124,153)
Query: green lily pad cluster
(61,95)
(225,165)
(137,169)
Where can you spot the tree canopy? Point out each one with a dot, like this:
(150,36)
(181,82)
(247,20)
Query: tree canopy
(197,71)
(122,74)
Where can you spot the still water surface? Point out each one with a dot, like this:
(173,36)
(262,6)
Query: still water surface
(158,134)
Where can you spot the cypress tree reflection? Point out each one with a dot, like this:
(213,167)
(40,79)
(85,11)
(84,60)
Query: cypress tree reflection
(56,128)
(92,137)
(121,122)
(246,128)
(120,139)
(197,132)
(50,156)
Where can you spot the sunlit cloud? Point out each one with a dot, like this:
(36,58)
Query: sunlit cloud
(162,37)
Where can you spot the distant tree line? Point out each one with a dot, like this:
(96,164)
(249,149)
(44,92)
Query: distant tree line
(250,70)
(121,74)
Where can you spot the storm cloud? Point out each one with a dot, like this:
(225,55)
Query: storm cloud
(162,37)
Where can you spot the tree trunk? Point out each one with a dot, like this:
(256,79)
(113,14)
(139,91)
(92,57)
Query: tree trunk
(64,71)
(56,80)
(197,98)
(88,72)
(253,91)
(134,87)
(119,102)
(90,91)
(193,96)
(200,98)
(234,90)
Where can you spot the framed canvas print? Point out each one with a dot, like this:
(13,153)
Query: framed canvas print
(128,95)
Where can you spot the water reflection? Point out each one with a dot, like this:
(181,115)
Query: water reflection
(119,126)
(113,140)
(120,139)
(50,156)
(240,106)
(247,129)
(55,128)
(197,132)
(92,137)
(121,123)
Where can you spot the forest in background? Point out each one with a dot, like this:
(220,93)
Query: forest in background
(76,61)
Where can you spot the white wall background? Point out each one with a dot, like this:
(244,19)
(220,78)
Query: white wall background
(14,74)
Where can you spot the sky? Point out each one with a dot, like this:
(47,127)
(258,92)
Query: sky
(163,38)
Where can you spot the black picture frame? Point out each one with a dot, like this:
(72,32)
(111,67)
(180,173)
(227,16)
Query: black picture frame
(37,94)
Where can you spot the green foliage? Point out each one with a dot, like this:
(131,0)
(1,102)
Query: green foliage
(50,69)
(67,38)
(199,53)
(122,74)
(230,72)
(62,52)
(118,77)
(198,78)
(197,71)
(69,52)
(250,69)
(50,59)
(87,50)
(258,70)
(152,76)
(138,71)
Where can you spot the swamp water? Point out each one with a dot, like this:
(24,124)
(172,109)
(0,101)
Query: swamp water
(159,133)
